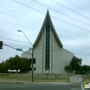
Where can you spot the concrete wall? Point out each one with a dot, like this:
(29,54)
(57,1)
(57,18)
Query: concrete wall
(59,57)
(75,79)
(39,54)
(25,55)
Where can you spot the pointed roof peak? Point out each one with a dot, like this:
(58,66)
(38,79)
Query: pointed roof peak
(47,13)
(48,21)
(47,10)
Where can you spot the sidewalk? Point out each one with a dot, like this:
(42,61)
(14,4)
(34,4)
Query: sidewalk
(22,82)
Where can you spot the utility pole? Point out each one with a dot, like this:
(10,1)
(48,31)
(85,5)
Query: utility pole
(32,54)
(32,63)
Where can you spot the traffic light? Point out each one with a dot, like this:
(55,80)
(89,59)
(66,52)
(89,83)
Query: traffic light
(33,68)
(34,60)
(1,44)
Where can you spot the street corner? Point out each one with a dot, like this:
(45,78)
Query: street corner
(85,85)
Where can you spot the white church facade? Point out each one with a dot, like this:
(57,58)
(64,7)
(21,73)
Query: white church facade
(48,50)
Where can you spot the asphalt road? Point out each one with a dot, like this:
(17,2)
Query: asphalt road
(38,86)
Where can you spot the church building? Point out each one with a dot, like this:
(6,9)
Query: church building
(50,55)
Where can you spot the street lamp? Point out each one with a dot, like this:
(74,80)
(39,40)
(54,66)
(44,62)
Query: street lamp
(32,53)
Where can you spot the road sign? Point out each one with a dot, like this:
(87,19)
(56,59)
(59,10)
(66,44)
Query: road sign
(18,49)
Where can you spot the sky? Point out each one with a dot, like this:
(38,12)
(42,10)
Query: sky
(71,19)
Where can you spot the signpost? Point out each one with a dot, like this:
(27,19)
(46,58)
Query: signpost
(18,49)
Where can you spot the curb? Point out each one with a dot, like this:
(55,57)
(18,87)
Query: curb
(21,82)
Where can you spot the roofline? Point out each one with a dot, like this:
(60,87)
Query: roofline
(41,30)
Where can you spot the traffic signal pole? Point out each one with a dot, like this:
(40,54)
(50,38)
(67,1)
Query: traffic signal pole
(1,46)
(32,63)
(32,54)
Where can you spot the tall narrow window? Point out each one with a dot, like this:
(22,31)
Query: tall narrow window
(47,51)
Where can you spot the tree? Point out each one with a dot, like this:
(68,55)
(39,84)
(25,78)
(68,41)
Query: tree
(68,68)
(85,69)
(2,70)
(15,63)
(75,64)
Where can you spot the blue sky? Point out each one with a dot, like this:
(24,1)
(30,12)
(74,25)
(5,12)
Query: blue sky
(71,19)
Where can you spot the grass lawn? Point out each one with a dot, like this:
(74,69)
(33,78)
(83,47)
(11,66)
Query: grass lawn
(27,79)
(86,79)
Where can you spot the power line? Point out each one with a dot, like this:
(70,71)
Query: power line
(60,36)
(16,24)
(25,42)
(18,13)
(51,48)
(18,17)
(42,48)
(61,19)
(16,48)
(62,13)
(11,33)
(14,40)
(28,6)
(57,49)
(57,28)
(70,23)
(67,31)
(52,16)
(15,44)
(25,45)
(71,9)
(21,47)
(28,43)
(73,39)
(77,6)
(20,3)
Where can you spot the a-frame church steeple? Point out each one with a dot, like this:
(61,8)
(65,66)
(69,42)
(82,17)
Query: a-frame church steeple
(48,21)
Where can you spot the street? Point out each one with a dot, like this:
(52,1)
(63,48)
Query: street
(38,86)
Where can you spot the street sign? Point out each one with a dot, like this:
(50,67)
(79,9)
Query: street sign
(18,49)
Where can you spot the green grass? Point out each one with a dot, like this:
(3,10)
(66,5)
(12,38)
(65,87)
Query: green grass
(86,78)
(14,78)
(27,79)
